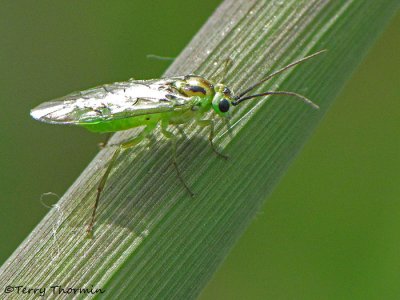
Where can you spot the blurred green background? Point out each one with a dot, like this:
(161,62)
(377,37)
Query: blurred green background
(331,230)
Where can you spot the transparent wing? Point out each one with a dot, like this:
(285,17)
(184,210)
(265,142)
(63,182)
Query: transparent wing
(113,101)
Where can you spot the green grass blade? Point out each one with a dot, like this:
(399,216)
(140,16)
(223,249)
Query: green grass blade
(151,239)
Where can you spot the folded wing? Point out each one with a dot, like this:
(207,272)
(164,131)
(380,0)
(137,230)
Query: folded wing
(112,101)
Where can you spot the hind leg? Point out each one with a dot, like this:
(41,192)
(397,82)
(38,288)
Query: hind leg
(128,144)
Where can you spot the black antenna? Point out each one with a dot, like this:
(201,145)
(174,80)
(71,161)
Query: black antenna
(305,99)
(240,98)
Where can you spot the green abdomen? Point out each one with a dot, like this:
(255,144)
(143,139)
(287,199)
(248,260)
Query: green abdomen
(123,124)
(175,117)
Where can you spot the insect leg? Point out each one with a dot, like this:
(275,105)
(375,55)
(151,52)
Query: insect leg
(100,188)
(128,144)
(204,123)
(169,135)
(105,142)
(220,76)
(181,131)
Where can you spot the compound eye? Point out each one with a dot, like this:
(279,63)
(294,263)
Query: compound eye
(223,105)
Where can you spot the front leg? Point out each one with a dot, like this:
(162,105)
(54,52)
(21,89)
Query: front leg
(204,123)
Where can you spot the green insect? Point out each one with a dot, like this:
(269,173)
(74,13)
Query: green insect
(169,101)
